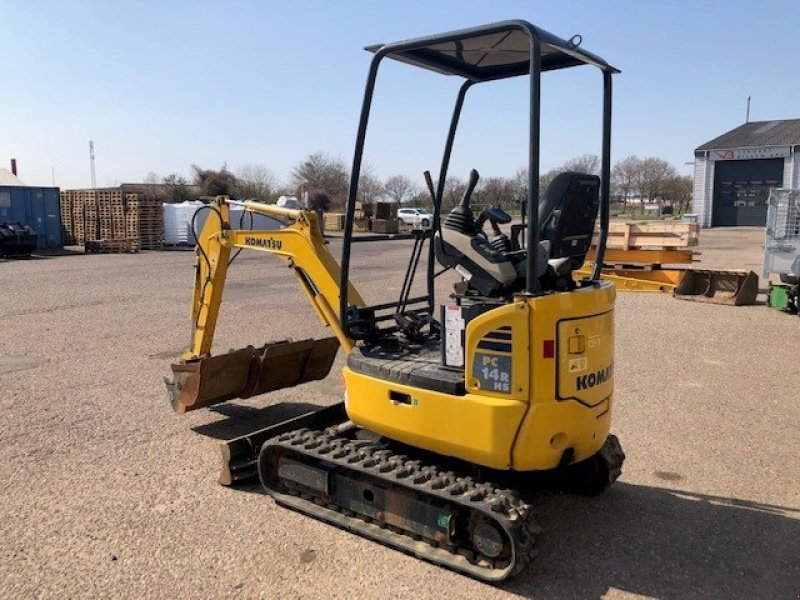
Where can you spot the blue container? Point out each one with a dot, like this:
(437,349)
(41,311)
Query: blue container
(37,207)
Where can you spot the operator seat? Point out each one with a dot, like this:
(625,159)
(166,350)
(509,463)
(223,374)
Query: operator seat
(567,213)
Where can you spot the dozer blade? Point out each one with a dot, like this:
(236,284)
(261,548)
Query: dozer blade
(249,372)
(718,287)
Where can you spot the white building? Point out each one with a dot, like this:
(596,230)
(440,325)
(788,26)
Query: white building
(734,172)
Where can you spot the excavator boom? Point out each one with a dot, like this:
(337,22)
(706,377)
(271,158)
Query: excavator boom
(201,379)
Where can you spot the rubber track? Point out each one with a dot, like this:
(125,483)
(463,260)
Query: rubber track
(503,507)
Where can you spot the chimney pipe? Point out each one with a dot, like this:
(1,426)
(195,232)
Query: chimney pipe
(14,166)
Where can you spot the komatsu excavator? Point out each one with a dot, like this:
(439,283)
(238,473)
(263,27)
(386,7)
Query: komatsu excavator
(512,374)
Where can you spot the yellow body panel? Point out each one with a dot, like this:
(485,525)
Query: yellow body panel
(473,427)
(547,408)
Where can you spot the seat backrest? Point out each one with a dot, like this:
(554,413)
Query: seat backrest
(567,214)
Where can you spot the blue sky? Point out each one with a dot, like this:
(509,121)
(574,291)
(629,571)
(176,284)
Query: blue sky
(159,86)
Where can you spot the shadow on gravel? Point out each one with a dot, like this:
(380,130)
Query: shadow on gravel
(662,543)
(45,254)
(245,419)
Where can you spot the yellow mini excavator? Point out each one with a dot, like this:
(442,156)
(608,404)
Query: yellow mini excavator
(449,407)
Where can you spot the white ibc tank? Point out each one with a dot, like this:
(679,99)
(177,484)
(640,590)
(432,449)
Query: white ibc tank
(178,222)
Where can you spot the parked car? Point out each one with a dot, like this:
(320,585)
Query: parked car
(417,217)
(289,202)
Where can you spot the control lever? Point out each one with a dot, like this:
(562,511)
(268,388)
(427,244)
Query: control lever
(474,176)
(429,183)
(496,216)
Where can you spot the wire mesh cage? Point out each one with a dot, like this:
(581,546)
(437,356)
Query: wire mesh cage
(782,245)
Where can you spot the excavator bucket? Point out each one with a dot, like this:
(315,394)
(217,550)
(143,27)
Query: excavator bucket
(248,372)
(718,287)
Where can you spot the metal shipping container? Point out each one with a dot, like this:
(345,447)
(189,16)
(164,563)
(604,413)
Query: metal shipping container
(36,207)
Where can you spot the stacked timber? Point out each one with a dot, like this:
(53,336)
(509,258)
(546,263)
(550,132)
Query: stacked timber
(386,211)
(112,219)
(362,225)
(334,221)
(385,226)
(67,220)
(145,220)
(644,235)
(363,210)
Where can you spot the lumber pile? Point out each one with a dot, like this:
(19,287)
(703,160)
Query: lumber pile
(385,226)
(643,235)
(363,210)
(132,217)
(334,221)
(386,211)
(362,225)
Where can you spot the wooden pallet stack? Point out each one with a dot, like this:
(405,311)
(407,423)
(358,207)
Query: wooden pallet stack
(334,221)
(385,226)
(386,211)
(112,219)
(361,217)
(145,221)
(67,219)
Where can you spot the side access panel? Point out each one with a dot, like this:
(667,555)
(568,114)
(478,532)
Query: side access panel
(572,373)
(586,359)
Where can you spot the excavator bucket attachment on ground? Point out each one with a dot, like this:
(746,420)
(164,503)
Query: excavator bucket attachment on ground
(736,288)
(249,372)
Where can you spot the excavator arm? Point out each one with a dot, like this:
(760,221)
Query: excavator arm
(201,379)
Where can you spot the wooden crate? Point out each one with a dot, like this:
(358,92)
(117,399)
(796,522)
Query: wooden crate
(361,225)
(385,210)
(365,209)
(334,221)
(385,226)
(656,234)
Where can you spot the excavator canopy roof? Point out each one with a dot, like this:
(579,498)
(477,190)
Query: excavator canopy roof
(489,52)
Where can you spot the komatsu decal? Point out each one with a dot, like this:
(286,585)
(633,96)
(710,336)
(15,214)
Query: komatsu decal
(584,382)
(268,243)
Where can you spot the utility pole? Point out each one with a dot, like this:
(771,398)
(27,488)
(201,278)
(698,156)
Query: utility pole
(91,160)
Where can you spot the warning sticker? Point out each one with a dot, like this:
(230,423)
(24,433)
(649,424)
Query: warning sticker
(578,364)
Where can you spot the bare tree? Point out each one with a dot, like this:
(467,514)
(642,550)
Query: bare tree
(678,190)
(215,183)
(322,173)
(546,179)
(585,163)
(177,189)
(370,186)
(495,191)
(520,187)
(624,176)
(454,189)
(151,184)
(255,181)
(650,178)
(399,187)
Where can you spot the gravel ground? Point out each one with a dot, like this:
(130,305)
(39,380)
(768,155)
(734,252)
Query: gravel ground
(107,493)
